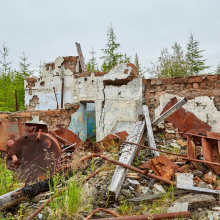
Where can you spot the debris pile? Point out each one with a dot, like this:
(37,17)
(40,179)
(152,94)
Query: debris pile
(161,170)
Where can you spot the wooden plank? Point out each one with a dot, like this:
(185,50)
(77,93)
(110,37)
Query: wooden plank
(127,156)
(147,197)
(170,111)
(150,135)
(198,189)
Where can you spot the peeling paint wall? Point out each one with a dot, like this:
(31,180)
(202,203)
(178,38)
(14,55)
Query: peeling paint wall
(117,95)
(203,93)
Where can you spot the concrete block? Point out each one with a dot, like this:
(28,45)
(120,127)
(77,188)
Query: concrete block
(159,188)
(179,207)
(184,178)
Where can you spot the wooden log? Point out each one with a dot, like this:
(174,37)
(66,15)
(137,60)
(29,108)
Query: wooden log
(170,111)
(127,156)
(10,199)
(150,135)
(15,197)
(198,189)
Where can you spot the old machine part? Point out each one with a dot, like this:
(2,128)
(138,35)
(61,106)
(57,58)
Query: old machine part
(34,156)
(9,133)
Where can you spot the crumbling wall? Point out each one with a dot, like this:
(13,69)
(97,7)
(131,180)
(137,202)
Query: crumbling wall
(117,95)
(53,118)
(203,93)
(51,79)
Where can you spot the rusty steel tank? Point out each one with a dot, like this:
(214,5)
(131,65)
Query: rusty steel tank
(34,156)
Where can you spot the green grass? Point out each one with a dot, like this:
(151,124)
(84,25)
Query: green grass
(73,198)
(6,178)
(125,209)
(69,202)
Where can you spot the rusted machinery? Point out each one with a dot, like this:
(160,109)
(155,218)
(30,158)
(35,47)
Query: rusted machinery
(34,156)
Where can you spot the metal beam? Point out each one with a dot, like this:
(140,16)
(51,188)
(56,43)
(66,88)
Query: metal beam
(170,111)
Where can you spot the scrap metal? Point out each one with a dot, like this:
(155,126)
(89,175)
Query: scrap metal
(210,149)
(10,131)
(66,136)
(191,150)
(162,167)
(33,154)
(184,120)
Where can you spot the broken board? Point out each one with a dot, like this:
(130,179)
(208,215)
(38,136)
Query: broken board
(127,156)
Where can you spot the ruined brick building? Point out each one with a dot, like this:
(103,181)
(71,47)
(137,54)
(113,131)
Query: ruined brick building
(110,102)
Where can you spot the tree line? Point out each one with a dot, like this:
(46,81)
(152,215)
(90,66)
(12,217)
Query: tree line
(13,79)
(177,62)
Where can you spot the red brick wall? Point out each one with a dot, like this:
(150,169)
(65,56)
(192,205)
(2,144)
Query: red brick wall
(189,87)
(53,118)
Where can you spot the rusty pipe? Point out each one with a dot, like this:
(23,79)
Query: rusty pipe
(101,209)
(171,215)
(200,161)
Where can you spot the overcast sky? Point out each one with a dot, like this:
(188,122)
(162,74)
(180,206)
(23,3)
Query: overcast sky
(46,29)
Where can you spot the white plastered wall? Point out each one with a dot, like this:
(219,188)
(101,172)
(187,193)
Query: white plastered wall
(122,104)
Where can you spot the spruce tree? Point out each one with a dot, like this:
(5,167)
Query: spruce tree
(92,65)
(111,57)
(194,57)
(7,100)
(40,68)
(141,70)
(20,76)
(125,59)
(24,66)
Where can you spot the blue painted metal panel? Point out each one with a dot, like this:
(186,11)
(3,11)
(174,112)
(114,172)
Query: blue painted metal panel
(79,122)
(91,124)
